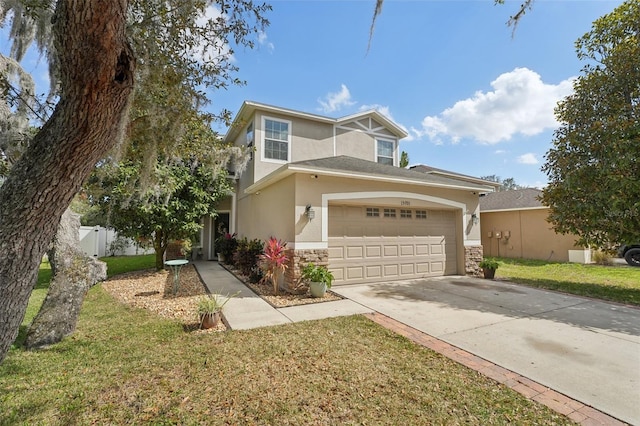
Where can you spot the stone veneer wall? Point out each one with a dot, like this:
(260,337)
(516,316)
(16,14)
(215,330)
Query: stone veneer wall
(298,259)
(472,256)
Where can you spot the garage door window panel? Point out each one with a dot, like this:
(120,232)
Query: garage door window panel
(390,213)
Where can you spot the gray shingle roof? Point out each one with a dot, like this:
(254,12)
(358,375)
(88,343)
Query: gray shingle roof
(515,199)
(356,165)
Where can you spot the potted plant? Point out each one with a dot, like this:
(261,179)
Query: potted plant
(274,262)
(489,267)
(319,278)
(210,309)
(226,244)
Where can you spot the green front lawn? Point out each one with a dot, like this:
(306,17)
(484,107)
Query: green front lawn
(121,264)
(128,366)
(614,283)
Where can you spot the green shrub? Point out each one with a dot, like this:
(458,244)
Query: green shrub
(489,263)
(227,244)
(247,255)
(317,273)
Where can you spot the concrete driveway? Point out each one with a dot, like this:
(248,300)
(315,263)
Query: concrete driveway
(586,349)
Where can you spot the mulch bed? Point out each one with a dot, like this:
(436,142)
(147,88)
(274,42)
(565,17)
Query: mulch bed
(282,299)
(153,290)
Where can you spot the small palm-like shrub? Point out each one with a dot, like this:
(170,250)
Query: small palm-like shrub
(274,261)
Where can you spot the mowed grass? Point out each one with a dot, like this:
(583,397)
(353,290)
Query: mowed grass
(614,283)
(115,265)
(121,264)
(127,366)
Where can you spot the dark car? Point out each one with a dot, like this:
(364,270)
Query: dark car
(631,253)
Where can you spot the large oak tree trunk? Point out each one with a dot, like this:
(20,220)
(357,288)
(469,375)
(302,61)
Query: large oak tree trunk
(96,69)
(74,274)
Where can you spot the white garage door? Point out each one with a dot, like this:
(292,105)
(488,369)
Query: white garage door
(369,243)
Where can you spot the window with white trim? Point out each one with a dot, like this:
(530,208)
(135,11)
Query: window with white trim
(421,214)
(373,212)
(250,140)
(250,134)
(385,152)
(389,212)
(405,214)
(277,135)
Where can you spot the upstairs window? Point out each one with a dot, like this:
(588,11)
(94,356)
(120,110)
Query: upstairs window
(250,140)
(385,152)
(250,134)
(276,139)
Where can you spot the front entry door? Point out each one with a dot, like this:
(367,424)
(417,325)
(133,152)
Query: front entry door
(221,226)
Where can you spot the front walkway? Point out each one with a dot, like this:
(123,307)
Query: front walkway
(569,353)
(248,310)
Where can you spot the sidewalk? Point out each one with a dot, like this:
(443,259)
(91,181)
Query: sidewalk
(248,310)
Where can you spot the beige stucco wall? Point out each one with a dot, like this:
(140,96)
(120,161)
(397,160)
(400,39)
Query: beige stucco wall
(279,210)
(531,236)
(310,191)
(268,213)
(310,140)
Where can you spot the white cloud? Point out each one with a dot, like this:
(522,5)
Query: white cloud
(499,151)
(519,103)
(263,41)
(333,102)
(528,158)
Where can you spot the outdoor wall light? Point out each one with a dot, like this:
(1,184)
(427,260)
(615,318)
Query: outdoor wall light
(310,212)
(475,219)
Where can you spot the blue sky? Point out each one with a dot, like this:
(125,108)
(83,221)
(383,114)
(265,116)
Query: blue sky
(474,99)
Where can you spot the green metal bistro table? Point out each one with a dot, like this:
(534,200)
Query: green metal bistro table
(176,266)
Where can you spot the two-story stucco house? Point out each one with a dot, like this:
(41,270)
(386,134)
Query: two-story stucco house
(332,189)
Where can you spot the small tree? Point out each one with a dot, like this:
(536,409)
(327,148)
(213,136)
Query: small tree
(169,211)
(404,159)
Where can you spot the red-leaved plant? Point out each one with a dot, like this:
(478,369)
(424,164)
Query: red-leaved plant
(274,261)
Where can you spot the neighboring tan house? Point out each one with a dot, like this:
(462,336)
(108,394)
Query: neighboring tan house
(332,189)
(514,224)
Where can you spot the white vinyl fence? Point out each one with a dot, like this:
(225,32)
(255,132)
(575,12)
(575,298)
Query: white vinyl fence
(99,242)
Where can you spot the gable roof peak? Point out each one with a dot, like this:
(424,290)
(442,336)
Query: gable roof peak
(249,107)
